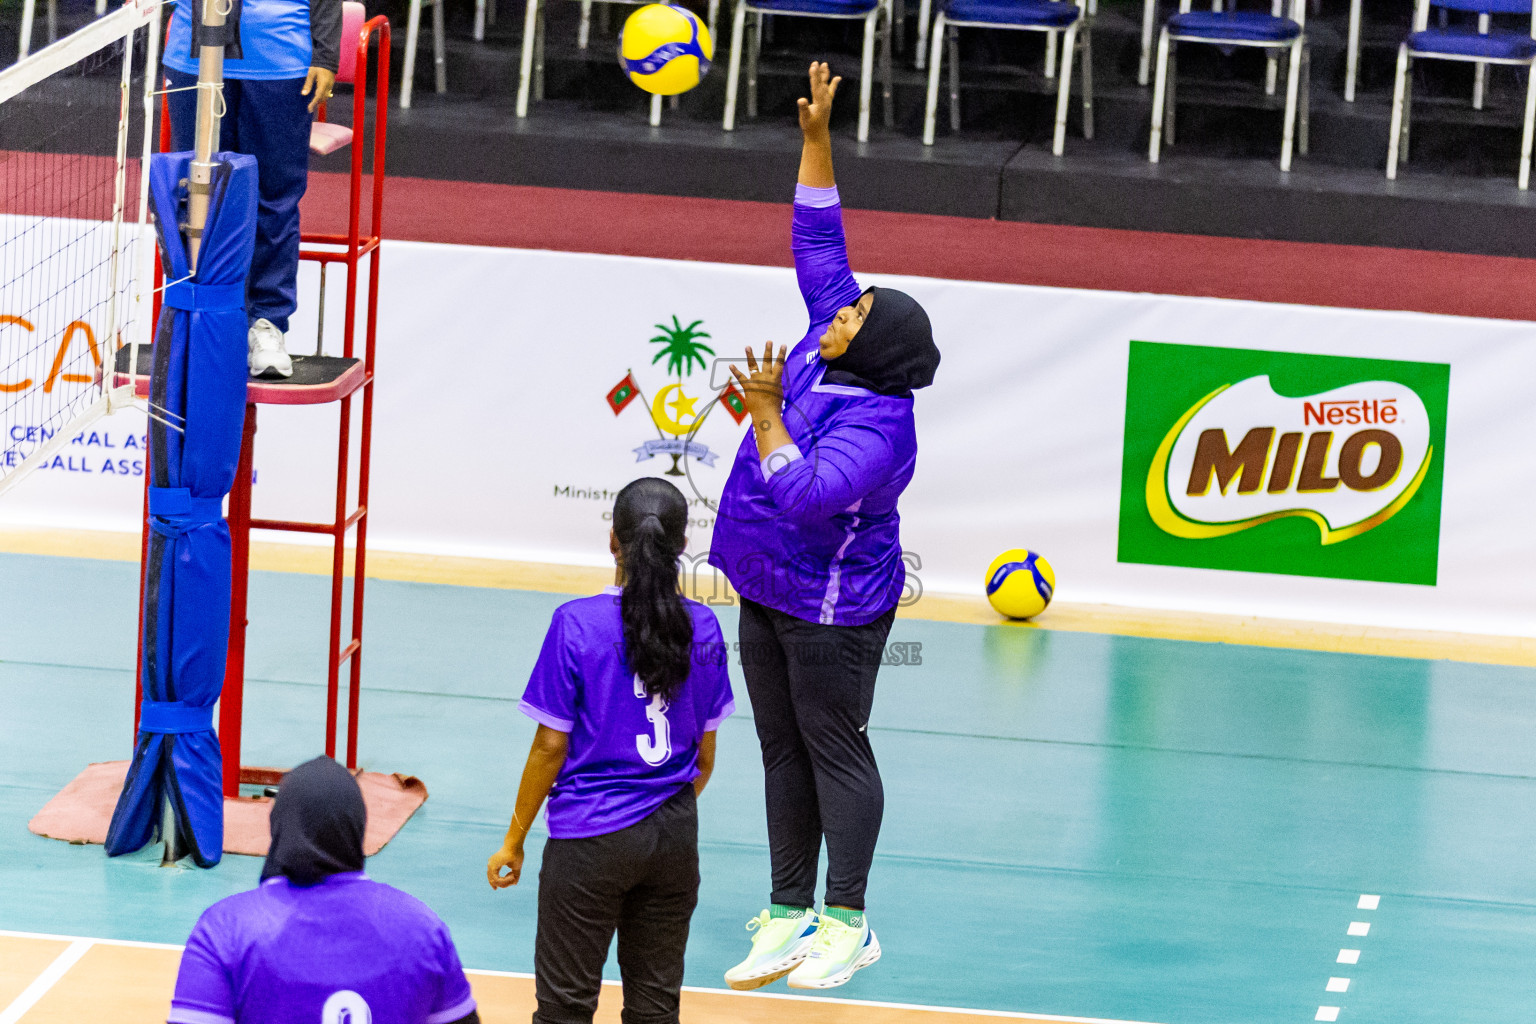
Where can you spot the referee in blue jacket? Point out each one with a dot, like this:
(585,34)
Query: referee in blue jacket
(290,52)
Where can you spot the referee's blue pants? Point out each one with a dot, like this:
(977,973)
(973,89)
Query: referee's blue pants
(269,120)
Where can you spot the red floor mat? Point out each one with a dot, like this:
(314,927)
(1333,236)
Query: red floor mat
(82,810)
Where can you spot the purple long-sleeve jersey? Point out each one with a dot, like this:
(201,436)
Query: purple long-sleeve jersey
(813,530)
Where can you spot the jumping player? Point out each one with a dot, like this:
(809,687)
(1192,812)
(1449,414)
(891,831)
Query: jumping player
(628,691)
(807,533)
(319,942)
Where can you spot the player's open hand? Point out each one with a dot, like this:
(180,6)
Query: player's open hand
(763,390)
(816,112)
(509,859)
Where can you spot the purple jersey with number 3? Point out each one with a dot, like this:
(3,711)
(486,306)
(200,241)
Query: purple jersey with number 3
(629,752)
(345,949)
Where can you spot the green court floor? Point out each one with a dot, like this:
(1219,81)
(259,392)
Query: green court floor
(1076,824)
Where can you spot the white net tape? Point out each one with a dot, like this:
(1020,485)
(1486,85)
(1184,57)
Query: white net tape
(74,249)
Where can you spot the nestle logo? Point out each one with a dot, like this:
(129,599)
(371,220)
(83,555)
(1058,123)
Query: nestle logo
(1356,410)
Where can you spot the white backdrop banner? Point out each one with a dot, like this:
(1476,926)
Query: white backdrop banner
(1167,452)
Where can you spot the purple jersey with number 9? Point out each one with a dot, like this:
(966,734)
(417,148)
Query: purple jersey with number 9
(347,950)
(629,752)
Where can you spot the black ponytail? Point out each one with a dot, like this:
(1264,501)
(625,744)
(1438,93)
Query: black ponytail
(650,520)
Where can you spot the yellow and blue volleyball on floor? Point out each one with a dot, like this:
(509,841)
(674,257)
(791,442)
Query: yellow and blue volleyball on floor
(665,49)
(1020,583)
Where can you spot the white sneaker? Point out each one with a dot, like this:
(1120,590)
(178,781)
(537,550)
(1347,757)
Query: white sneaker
(268,356)
(838,951)
(777,948)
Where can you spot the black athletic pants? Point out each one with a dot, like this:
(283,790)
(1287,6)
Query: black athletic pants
(812,688)
(643,882)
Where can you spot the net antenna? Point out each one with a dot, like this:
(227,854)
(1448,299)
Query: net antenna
(76,253)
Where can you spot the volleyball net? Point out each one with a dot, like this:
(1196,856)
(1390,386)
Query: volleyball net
(76,253)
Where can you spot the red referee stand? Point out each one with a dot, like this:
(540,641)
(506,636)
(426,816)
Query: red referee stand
(316,380)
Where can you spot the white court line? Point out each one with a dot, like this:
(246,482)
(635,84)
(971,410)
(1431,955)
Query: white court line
(45,981)
(1367,901)
(7,1018)
(76,938)
(872,1004)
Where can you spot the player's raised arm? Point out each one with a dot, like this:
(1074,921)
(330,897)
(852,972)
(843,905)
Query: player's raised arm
(821,254)
(815,125)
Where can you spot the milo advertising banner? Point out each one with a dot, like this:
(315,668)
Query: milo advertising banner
(1281,462)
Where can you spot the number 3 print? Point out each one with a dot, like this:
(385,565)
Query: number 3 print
(654,749)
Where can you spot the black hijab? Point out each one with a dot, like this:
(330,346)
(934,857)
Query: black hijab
(317,824)
(893,353)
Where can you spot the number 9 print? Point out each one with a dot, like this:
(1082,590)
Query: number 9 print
(346,1007)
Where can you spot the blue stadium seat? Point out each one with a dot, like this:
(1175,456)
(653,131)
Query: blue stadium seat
(1272,32)
(1050,16)
(876,15)
(1467,43)
(1483,8)
(1484,46)
(1012,13)
(1149,21)
(835,8)
(1222,26)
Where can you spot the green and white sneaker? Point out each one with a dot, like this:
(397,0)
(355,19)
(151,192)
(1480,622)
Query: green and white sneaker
(844,943)
(784,937)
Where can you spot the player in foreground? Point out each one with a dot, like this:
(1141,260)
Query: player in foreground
(291,50)
(628,691)
(318,940)
(807,533)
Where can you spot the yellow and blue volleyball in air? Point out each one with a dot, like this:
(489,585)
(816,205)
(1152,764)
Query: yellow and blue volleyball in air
(665,49)
(1020,583)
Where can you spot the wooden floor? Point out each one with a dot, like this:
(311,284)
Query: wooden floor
(66,980)
(1075,618)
